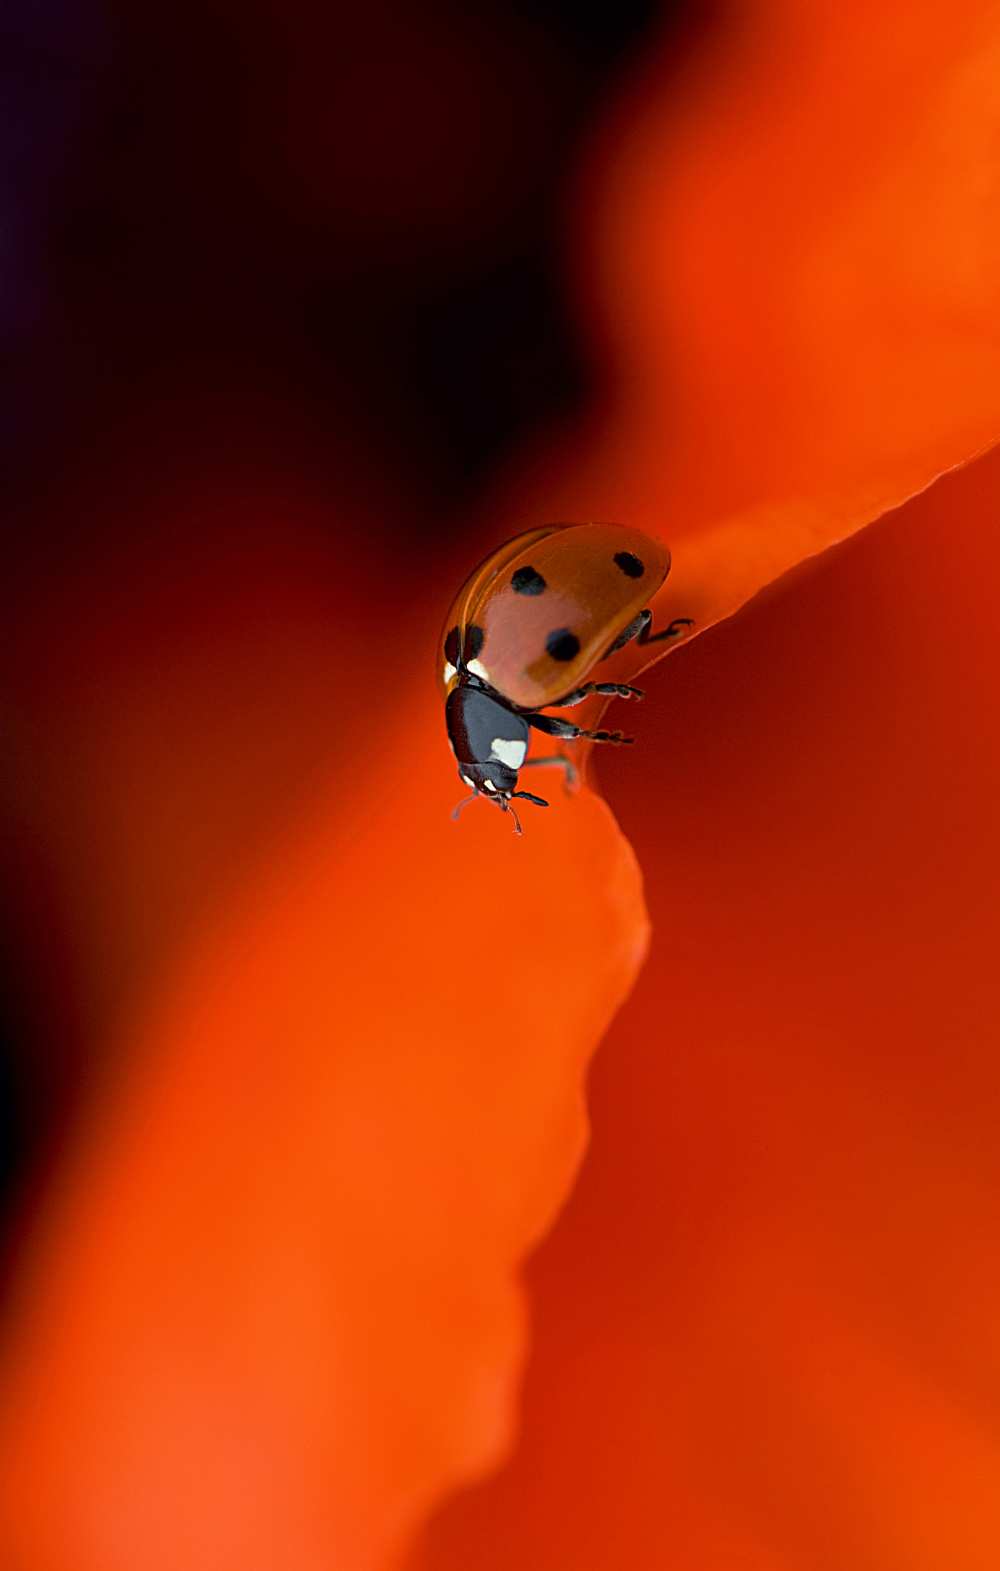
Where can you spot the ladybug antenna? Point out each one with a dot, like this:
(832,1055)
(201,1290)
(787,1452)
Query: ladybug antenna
(463,803)
(505,803)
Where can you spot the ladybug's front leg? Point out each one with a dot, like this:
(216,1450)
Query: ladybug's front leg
(573,733)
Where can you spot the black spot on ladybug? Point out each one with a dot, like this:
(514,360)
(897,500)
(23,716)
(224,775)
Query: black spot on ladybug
(562,644)
(630,565)
(451,647)
(528,581)
(474,638)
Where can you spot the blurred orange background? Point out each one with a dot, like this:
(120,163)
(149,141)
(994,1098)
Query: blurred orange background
(307,311)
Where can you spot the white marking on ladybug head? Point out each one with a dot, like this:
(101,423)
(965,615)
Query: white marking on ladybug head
(470,783)
(508,752)
(478,669)
(449,672)
(488,785)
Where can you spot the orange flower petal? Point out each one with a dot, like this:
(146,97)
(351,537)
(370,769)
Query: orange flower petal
(765,1326)
(793,247)
(273,1315)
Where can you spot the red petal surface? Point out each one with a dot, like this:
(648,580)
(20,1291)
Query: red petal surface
(765,1326)
(792,245)
(274,1308)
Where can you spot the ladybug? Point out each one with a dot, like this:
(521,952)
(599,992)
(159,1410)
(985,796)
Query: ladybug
(525,629)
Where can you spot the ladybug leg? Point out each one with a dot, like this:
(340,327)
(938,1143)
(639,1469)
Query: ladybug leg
(573,733)
(635,627)
(639,630)
(606,690)
(561,760)
(672,630)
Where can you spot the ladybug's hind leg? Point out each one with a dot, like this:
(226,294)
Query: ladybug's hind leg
(573,733)
(639,630)
(589,689)
(559,759)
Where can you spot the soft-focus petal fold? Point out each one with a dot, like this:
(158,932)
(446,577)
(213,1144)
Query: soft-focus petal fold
(783,1351)
(274,1312)
(792,245)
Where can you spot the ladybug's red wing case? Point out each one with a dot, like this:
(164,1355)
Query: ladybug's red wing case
(542,611)
(460,613)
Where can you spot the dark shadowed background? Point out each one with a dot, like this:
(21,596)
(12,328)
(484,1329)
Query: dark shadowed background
(249,240)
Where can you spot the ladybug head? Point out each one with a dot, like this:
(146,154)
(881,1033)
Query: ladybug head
(497,782)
